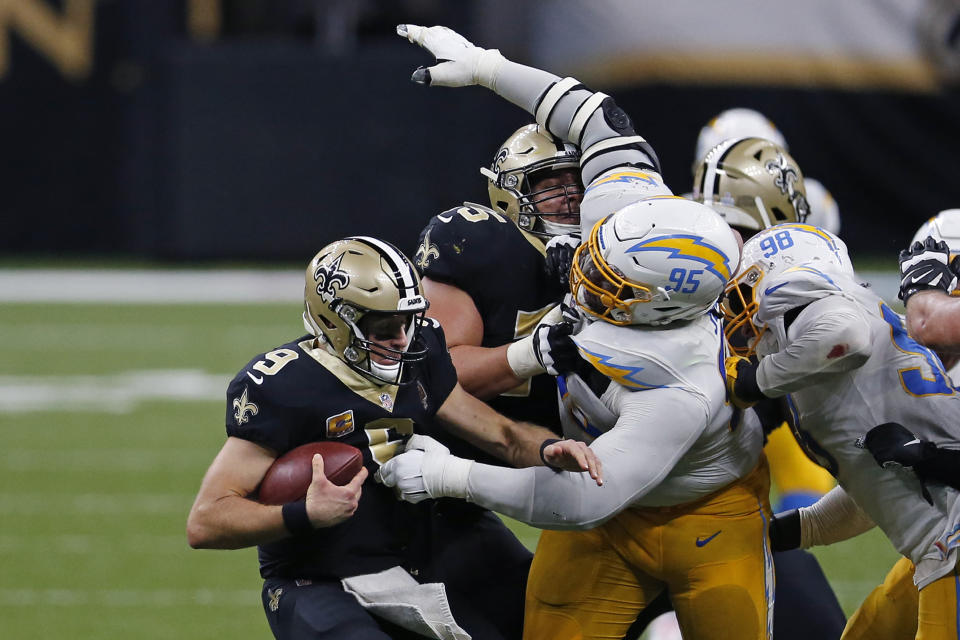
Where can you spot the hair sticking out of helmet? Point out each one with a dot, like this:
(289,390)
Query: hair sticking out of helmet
(535,181)
(657,261)
(753,183)
(358,285)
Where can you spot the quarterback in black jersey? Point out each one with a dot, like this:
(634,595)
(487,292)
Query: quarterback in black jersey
(370,373)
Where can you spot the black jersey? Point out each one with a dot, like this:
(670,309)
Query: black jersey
(502,268)
(299,393)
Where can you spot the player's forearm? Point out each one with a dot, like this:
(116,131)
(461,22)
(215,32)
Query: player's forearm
(542,497)
(833,518)
(484,372)
(234,523)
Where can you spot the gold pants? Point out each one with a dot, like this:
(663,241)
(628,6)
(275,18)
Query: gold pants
(895,610)
(712,555)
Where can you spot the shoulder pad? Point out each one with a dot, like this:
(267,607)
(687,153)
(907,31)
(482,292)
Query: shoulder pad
(642,358)
(795,287)
(463,243)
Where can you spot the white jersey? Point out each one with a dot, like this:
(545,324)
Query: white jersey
(687,356)
(667,435)
(848,365)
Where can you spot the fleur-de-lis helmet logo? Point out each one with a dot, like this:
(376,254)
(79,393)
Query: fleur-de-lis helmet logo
(785,178)
(329,278)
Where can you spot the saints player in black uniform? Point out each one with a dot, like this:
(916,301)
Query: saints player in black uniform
(371,372)
(484,272)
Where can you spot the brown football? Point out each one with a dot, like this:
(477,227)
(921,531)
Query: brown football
(289,476)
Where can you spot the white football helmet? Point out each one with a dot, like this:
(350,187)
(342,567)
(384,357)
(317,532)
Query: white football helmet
(352,281)
(735,123)
(768,254)
(655,261)
(944,226)
(824,212)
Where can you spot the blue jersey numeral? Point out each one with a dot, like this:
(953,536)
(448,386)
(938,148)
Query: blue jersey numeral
(912,378)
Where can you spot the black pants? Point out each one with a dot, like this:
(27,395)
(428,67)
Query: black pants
(481,563)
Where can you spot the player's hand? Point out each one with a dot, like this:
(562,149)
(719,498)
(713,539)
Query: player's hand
(555,349)
(742,389)
(926,265)
(559,259)
(573,455)
(785,530)
(893,445)
(328,504)
(425,469)
(460,63)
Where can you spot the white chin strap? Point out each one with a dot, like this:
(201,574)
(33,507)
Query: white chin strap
(558,229)
(385,371)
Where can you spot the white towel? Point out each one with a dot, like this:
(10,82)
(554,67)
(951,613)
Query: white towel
(395,596)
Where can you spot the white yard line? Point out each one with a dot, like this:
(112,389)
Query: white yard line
(144,286)
(114,393)
(122,598)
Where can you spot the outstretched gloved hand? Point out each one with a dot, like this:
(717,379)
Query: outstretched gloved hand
(460,63)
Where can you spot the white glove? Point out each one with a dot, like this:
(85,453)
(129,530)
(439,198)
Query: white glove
(522,354)
(459,62)
(426,470)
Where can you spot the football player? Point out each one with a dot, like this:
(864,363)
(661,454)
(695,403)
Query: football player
(928,288)
(932,318)
(468,253)
(617,165)
(748,123)
(852,377)
(673,452)
(754,184)
(370,372)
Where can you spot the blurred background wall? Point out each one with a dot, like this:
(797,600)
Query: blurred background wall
(251,129)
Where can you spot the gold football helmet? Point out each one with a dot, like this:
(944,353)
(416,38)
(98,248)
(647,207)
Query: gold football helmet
(351,279)
(529,154)
(753,183)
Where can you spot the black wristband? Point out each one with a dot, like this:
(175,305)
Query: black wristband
(785,531)
(295,518)
(543,445)
(746,386)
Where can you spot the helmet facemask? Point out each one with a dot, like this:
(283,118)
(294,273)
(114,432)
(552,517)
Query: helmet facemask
(600,289)
(352,287)
(739,305)
(529,156)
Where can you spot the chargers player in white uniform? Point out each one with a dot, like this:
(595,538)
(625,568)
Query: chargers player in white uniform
(855,382)
(683,507)
(673,450)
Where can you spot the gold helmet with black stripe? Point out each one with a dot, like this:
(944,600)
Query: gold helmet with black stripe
(352,286)
(753,183)
(535,181)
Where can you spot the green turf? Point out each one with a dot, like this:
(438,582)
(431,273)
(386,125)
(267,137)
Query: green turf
(94,496)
